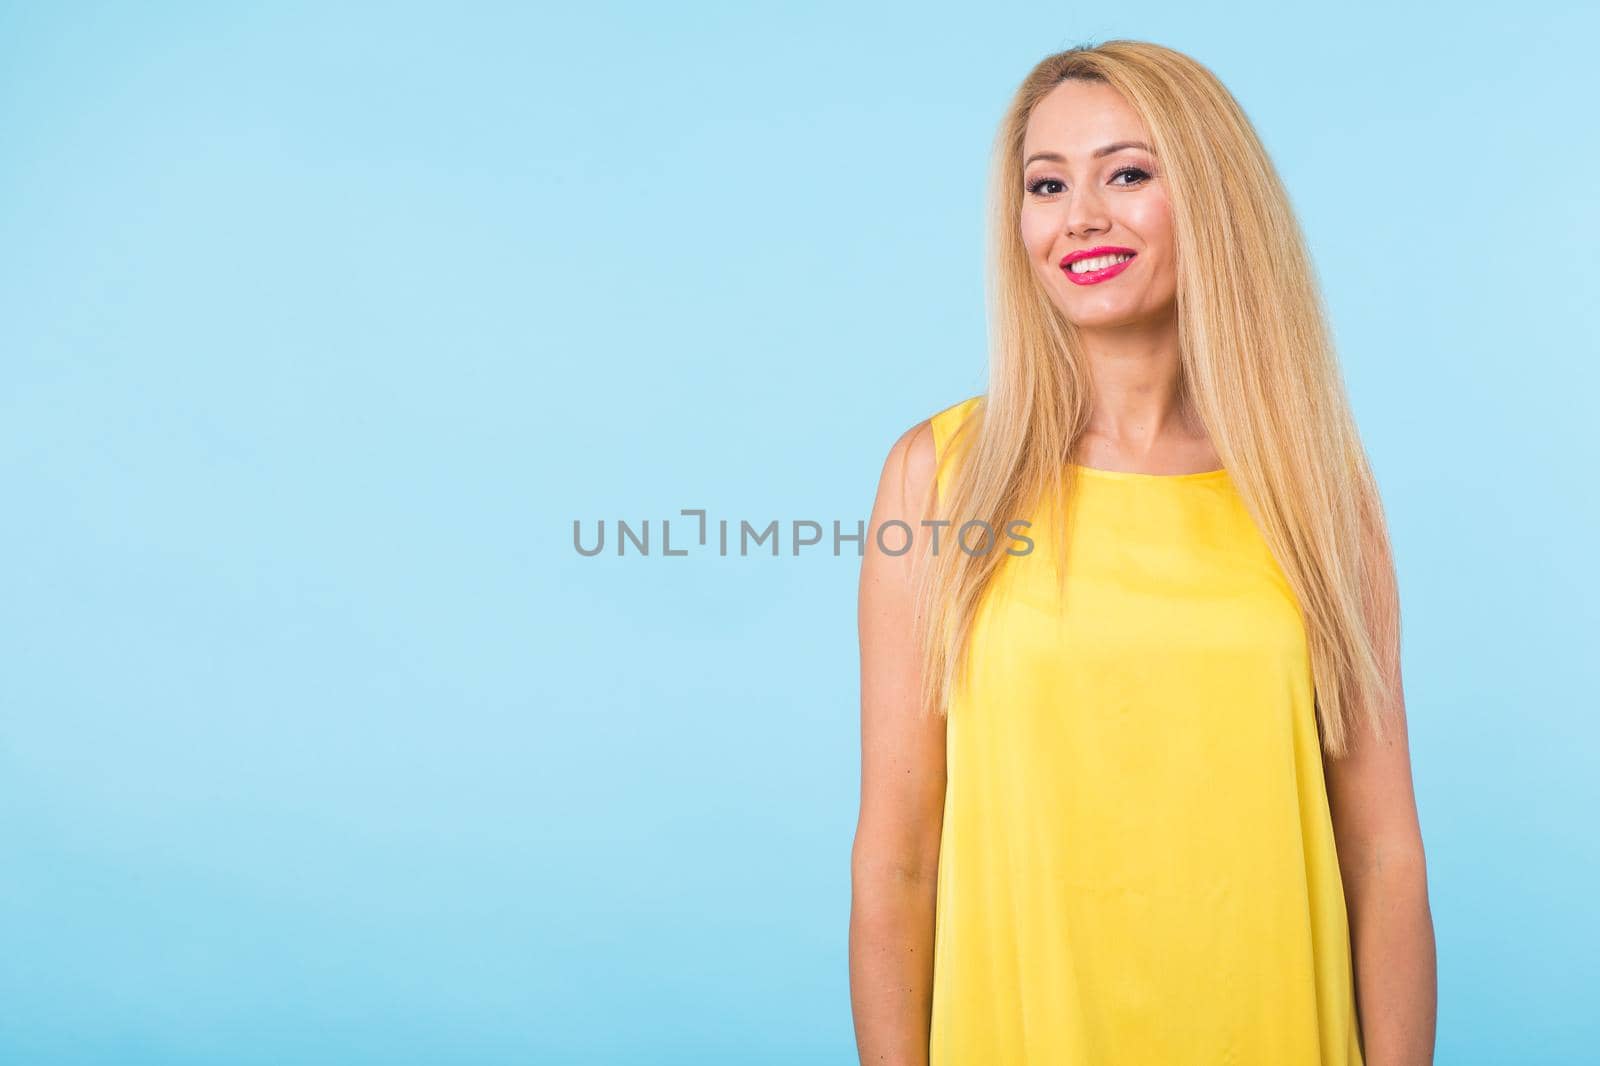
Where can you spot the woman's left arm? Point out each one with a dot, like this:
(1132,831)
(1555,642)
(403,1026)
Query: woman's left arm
(1385,879)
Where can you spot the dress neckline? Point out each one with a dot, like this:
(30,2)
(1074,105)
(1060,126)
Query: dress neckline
(1128,475)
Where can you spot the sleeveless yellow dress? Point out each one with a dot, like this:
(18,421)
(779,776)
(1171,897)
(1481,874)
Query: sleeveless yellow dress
(1137,862)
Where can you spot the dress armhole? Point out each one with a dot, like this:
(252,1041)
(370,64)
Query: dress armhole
(947,428)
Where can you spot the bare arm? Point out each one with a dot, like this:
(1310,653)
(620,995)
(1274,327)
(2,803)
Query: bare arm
(1386,886)
(895,857)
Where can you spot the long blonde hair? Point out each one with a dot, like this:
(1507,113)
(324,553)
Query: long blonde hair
(1258,369)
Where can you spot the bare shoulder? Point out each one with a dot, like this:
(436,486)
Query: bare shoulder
(912,465)
(908,471)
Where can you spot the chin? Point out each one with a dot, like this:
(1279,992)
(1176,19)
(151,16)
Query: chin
(1103,318)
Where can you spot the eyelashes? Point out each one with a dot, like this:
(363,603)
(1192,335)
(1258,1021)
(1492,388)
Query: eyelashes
(1141,175)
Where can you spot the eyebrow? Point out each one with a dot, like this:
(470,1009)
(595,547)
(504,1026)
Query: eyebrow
(1056,157)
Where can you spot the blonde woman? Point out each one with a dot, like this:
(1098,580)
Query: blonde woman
(1136,786)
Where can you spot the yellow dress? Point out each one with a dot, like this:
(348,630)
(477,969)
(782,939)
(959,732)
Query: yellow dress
(1137,862)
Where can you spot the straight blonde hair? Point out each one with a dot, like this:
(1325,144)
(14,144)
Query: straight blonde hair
(1258,370)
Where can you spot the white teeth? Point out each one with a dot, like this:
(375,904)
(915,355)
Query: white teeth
(1099,262)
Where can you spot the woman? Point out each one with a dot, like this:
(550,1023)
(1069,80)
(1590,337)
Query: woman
(1141,794)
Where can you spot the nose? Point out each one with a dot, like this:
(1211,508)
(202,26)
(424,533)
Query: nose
(1085,213)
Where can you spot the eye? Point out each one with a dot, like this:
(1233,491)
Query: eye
(1136,176)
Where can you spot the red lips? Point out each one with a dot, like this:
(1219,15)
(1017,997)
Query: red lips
(1094,277)
(1090,253)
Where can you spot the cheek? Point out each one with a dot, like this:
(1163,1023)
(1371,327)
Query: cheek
(1038,232)
(1152,220)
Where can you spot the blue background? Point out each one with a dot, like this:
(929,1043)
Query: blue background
(319,327)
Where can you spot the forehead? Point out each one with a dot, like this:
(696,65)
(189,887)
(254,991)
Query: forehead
(1077,117)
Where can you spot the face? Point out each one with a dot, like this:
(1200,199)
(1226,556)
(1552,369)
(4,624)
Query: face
(1075,199)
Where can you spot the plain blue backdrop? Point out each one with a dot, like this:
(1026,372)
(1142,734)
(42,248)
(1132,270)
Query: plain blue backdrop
(321,324)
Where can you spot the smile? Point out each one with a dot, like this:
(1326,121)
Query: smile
(1095,265)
